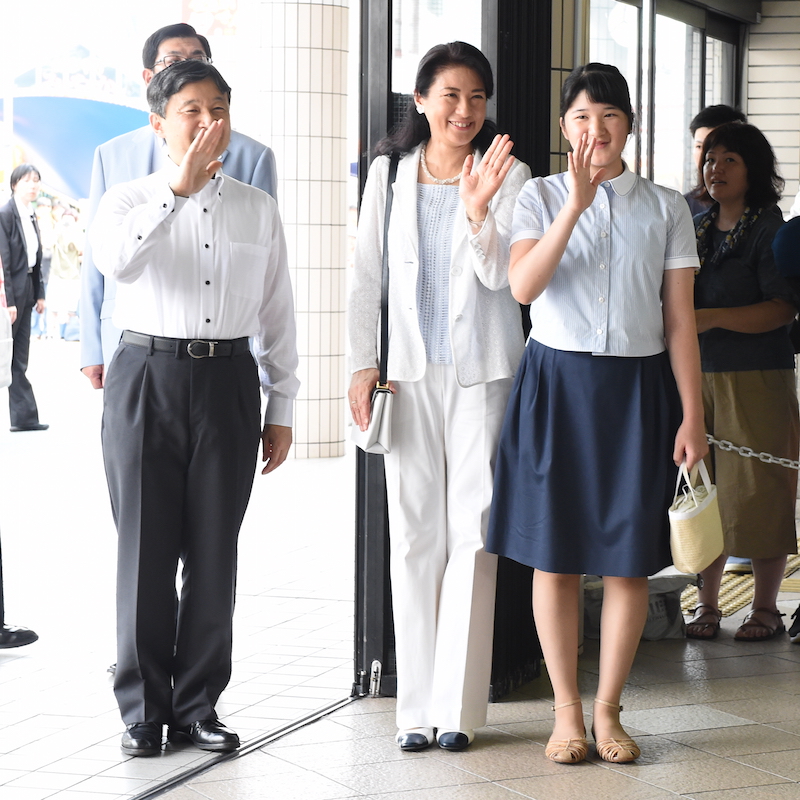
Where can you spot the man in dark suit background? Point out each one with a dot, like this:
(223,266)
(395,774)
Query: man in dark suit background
(21,256)
(135,155)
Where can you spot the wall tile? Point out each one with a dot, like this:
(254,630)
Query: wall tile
(280,12)
(279,69)
(328,28)
(303,35)
(301,113)
(317,21)
(773,92)
(788,105)
(776,57)
(777,90)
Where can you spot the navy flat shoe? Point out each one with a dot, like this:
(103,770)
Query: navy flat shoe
(455,740)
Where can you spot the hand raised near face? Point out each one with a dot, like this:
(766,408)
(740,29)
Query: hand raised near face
(478,185)
(582,184)
(201,160)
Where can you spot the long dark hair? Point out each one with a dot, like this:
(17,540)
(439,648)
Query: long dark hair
(764,183)
(414,127)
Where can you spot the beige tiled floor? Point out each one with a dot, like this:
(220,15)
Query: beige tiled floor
(715,721)
(293,637)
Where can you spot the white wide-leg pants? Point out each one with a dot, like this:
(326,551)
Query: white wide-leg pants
(439,487)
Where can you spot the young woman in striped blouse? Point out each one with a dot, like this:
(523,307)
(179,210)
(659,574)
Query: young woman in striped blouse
(605,403)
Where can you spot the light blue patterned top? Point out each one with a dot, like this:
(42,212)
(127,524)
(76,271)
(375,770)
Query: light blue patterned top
(436,210)
(605,295)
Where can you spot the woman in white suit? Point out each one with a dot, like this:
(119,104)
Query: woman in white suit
(455,339)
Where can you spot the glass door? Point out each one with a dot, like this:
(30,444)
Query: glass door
(677,57)
(395,35)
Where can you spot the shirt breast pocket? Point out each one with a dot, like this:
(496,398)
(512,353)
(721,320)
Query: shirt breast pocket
(247,269)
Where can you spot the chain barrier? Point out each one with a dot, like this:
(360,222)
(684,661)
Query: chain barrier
(747,452)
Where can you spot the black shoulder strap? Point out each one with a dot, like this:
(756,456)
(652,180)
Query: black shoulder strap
(393,161)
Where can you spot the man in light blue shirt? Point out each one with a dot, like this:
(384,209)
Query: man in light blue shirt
(135,155)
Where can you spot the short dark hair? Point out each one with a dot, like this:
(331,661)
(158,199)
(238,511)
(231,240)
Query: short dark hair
(603,83)
(170,81)
(178,31)
(18,173)
(764,183)
(714,116)
(414,127)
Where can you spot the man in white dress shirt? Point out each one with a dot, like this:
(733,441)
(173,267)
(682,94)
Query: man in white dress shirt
(200,263)
(134,155)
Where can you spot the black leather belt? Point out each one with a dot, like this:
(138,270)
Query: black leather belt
(196,348)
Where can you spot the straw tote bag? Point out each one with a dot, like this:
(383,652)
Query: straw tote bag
(377,438)
(695,526)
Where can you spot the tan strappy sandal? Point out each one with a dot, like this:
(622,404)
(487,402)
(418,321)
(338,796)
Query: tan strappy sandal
(567,751)
(617,751)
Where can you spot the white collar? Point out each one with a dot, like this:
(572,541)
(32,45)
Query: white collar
(24,211)
(623,183)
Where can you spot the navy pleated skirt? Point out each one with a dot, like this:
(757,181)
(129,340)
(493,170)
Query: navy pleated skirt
(584,473)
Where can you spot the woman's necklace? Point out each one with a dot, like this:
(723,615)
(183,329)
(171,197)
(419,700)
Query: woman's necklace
(441,181)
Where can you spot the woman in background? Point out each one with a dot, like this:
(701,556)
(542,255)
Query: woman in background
(743,309)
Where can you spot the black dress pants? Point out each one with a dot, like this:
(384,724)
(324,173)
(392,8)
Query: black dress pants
(180,441)
(22,409)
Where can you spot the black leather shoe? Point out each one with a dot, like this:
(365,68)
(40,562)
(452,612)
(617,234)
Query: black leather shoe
(37,426)
(142,739)
(454,740)
(414,739)
(207,734)
(12,636)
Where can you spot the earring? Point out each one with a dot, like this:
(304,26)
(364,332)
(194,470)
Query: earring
(420,110)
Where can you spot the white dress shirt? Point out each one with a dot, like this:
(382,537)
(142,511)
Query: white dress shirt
(210,266)
(29,231)
(605,295)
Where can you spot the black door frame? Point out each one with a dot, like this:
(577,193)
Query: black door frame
(516,39)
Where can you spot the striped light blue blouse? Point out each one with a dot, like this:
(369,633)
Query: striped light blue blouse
(605,295)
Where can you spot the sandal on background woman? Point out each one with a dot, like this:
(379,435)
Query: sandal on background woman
(755,629)
(704,623)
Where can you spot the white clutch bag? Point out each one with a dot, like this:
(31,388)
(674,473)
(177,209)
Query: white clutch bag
(696,538)
(377,438)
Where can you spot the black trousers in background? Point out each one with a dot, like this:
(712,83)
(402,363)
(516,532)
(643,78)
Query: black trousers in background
(2,597)
(180,442)
(22,409)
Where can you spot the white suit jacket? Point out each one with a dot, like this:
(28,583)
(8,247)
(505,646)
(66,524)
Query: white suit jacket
(484,319)
(125,158)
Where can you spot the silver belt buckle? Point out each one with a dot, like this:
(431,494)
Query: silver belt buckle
(211,346)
